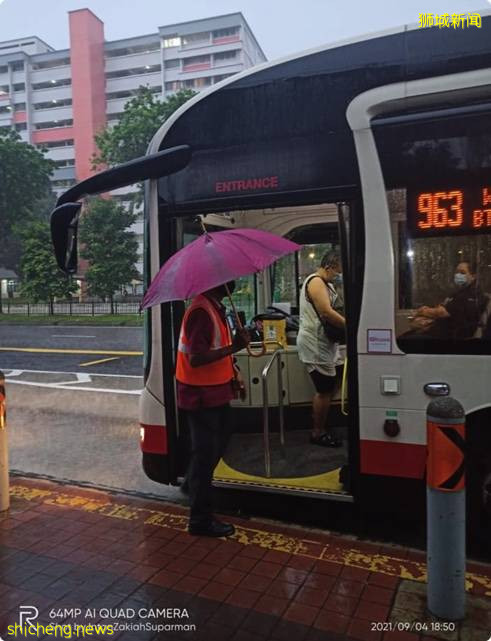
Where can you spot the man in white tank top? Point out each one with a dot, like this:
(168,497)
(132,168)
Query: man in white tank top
(321,355)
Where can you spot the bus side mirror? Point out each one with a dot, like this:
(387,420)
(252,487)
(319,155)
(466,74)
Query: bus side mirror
(64,232)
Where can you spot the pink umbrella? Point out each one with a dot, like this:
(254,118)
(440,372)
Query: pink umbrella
(213,259)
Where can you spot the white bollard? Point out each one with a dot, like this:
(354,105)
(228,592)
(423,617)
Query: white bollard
(445,493)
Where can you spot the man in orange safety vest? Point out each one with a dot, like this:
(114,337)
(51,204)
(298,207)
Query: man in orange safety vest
(207,380)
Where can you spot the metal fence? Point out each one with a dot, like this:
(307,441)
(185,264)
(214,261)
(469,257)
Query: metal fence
(70,308)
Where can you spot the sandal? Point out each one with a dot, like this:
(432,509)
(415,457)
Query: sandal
(326,440)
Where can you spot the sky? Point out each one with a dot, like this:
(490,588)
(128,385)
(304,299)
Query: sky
(282,27)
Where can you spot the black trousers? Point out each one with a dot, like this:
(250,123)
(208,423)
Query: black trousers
(209,435)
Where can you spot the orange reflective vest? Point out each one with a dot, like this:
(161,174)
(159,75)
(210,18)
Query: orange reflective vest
(216,373)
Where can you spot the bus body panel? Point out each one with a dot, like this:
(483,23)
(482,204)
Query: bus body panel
(246,145)
(280,136)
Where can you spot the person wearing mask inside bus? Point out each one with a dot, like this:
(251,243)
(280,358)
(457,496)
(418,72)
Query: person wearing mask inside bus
(207,380)
(320,354)
(458,316)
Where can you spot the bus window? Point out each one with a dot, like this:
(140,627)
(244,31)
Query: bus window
(244,296)
(284,284)
(289,273)
(439,196)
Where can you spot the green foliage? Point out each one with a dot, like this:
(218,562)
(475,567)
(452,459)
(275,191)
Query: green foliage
(110,248)
(24,190)
(41,278)
(142,116)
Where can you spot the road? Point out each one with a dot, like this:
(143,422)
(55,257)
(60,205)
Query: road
(72,349)
(75,422)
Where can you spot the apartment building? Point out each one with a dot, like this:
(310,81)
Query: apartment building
(59,99)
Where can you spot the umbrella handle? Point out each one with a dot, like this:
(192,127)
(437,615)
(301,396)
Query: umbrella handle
(240,326)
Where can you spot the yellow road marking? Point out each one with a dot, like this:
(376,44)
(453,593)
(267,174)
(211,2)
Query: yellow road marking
(318,550)
(102,360)
(49,350)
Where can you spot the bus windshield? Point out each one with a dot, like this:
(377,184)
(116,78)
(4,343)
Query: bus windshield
(438,181)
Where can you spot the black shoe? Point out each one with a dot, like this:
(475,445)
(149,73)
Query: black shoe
(326,440)
(215,528)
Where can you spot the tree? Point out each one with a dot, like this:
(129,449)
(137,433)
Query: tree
(24,188)
(141,118)
(110,248)
(41,278)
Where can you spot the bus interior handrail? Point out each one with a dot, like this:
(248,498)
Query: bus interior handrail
(265,372)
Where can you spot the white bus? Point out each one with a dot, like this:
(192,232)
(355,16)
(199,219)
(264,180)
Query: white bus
(380,147)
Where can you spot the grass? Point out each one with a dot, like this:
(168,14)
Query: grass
(119,320)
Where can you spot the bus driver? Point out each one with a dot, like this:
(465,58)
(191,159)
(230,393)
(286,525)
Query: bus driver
(458,316)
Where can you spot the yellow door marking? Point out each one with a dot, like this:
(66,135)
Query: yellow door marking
(49,350)
(102,360)
(324,482)
(105,505)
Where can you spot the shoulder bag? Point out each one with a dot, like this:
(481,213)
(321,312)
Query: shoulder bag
(334,333)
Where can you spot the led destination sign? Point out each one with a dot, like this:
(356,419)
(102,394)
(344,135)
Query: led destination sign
(460,210)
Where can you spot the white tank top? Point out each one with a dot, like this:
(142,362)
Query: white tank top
(314,348)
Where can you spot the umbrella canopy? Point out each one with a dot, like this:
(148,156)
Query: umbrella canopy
(213,259)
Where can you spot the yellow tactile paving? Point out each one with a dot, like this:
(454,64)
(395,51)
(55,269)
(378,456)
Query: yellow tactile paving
(265,538)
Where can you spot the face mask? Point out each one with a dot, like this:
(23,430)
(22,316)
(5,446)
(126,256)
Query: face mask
(338,279)
(460,279)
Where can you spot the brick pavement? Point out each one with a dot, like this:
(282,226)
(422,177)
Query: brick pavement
(120,559)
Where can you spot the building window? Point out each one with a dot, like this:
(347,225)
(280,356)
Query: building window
(51,64)
(222,77)
(136,71)
(56,144)
(174,85)
(17,66)
(4,69)
(16,45)
(52,104)
(129,93)
(21,126)
(174,63)
(172,41)
(195,39)
(19,86)
(196,63)
(192,83)
(225,56)
(20,106)
(114,116)
(50,84)
(201,83)
(54,124)
(5,109)
(129,51)
(70,162)
(224,33)
(61,184)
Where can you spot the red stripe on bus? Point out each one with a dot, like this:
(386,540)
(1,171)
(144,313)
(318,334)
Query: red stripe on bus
(386,458)
(154,439)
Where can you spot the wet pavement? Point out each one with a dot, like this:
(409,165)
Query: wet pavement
(89,557)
